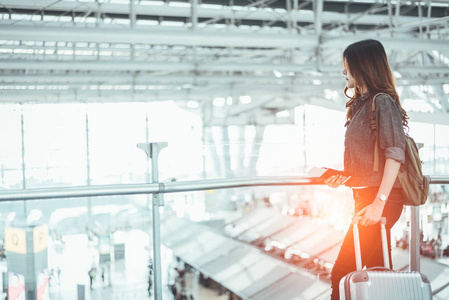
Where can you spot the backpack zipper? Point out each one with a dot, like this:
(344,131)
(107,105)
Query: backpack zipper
(416,178)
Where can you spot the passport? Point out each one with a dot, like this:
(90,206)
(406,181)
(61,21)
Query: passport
(326,173)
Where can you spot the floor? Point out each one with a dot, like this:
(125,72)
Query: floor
(123,279)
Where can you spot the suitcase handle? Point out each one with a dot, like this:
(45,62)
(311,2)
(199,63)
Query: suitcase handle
(383,233)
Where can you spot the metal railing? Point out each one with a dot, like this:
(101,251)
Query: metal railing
(166,187)
(154,188)
(157,189)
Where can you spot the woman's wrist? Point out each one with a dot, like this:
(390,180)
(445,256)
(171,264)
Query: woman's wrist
(379,201)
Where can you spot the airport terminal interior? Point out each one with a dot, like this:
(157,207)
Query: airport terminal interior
(148,147)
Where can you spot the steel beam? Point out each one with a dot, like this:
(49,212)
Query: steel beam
(209,12)
(157,36)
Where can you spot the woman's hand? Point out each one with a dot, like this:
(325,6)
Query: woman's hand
(335,181)
(372,213)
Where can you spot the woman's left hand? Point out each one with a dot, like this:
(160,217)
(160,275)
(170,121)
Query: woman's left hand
(371,214)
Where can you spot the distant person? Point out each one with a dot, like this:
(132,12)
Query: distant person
(150,285)
(92,273)
(51,276)
(58,272)
(376,193)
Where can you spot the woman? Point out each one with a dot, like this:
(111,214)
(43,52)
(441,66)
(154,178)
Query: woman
(376,193)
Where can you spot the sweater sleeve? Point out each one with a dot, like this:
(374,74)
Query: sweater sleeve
(389,127)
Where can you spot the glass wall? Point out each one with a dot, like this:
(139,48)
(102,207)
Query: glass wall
(11,147)
(435,146)
(50,145)
(54,145)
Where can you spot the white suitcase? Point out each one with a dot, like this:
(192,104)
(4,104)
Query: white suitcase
(382,283)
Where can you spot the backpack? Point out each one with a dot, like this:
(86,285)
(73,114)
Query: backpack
(415,185)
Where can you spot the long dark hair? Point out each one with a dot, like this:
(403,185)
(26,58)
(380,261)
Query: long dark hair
(367,62)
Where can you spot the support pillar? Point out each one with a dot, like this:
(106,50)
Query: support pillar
(27,262)
(152,150)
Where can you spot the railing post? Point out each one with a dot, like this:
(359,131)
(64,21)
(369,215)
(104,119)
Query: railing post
(152,150)
(415,241)
(415,255)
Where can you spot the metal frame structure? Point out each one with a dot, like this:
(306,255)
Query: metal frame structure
(281,54)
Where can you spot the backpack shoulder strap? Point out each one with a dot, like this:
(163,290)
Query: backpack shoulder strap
(373,109)
(372,117)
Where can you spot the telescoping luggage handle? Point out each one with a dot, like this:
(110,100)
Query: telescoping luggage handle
(383,233)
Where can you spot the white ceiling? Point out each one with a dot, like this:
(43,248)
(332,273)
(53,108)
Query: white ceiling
(279,53)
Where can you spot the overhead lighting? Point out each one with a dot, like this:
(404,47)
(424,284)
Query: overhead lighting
(10,217)
(192,104)
(147,22)
(315,73)
(245,99)
(229,100)
(283,114)
(397,74)
(446,88)
(417,105)
(154,3)
(218,101)
(172,23)
(277,73)
(436,102)
(34,216)
(179,4)
(330,94)
(316,82)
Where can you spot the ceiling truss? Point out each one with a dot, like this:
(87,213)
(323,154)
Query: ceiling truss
(280,54)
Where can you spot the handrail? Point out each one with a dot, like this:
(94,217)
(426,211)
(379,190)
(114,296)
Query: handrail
(439,179)
(167,187)
(154,188)
(440,289)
